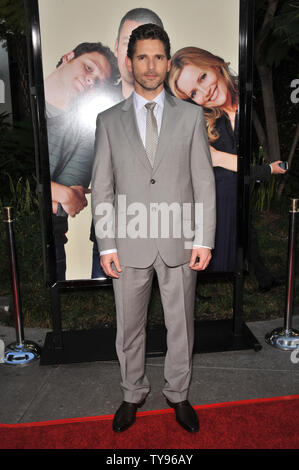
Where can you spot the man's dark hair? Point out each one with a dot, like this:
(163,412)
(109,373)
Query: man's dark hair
(148,31)
(140,15)
(88,47)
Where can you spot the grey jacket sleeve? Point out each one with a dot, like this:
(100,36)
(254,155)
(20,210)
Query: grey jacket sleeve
(102,190)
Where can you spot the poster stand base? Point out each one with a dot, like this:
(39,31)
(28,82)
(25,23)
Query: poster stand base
(99,344)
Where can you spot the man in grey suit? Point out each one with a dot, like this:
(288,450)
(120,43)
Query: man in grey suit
(152,158)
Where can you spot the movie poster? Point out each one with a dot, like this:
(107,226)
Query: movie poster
(83,57)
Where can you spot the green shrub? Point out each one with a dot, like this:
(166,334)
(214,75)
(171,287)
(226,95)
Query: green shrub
(21,197)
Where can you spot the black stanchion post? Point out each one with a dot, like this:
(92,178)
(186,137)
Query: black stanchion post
(287,338)
(21,352)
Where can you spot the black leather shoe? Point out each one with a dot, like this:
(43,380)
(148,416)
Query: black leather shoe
(125,416)
(185,415)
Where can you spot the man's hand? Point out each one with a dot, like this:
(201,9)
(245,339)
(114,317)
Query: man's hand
(204,255)
(276,170)
(75,200)
(106,263)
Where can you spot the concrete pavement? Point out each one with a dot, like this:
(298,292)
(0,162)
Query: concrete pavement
(49,392)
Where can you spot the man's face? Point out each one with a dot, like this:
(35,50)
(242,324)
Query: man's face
(82,73)
(149,66)
(120,49)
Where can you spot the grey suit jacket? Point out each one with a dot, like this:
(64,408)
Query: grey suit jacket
(180,182)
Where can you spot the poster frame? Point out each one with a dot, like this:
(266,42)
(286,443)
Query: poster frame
(246,25)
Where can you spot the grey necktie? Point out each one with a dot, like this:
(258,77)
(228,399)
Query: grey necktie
(151,136)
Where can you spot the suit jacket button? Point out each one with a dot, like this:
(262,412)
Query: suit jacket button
(153,181)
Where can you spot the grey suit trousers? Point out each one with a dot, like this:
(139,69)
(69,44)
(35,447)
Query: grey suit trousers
(132,295)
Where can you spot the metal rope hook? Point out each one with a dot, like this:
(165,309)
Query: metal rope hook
(287,338)
(20,352)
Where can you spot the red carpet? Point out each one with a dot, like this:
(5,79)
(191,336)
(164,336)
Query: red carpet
(271,423)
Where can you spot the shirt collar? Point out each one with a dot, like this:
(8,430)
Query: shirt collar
(140,101)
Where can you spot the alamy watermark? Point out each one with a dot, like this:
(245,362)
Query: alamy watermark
(295,93)
(156,220)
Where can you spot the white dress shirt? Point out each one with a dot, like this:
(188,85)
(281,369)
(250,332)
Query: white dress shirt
(141,112)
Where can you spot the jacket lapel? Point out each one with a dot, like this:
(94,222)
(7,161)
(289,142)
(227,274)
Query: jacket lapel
(128,118)
(167,129)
